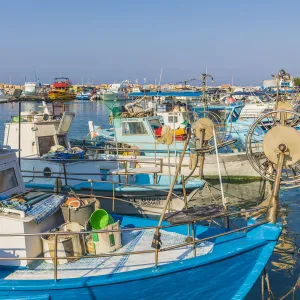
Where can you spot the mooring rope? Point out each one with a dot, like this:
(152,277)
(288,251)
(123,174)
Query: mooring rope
(271,295)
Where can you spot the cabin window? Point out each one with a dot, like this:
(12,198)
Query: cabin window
(45,143)
(133,128)
(8,180)
(61,139)
(172,119)
(155,124)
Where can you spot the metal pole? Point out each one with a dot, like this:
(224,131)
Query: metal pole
(113,204)
(19,158)
(277,91)
(169,197)
(202,156)
(193,233)
(55,257)
(272,212)
(65,173)
(185,202)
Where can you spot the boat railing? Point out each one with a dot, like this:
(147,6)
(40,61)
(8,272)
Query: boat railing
(252,112)
(113,189)
(191,241)
(124,162)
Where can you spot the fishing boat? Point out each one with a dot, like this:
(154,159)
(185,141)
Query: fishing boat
(174,255)
(30,88)
(61,90)
(49,163)
(116,92)
(86,93)
(145,129)
(4,97)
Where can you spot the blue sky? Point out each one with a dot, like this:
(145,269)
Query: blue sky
(113,40)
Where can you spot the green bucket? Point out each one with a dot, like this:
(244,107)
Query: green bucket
(99,219)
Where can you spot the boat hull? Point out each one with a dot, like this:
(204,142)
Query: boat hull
(225,275)
(138,197)
(232,166)
(61,95)
(109,96)
(83,97)
(5,98)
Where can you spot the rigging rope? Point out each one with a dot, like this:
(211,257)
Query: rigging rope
(271,295)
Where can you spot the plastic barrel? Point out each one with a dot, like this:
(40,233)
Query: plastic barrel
(80,215)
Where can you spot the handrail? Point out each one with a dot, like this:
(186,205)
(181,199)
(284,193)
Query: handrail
(194,242)
(129,159)
(113,183)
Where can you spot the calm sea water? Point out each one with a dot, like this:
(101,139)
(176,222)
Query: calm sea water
(284,266)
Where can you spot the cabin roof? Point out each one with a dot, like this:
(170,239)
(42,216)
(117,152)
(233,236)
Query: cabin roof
(7,150)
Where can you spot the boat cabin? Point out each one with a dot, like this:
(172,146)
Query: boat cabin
(39,132)
(142,133)
(30,88)
(14,217)
(11,181)
(118,87)
(61,83)
(176,115)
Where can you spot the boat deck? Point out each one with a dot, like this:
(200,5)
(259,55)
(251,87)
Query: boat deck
(132,241)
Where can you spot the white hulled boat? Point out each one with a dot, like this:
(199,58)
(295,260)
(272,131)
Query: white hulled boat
(116,92)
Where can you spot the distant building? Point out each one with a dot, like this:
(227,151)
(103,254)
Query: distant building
(225,86)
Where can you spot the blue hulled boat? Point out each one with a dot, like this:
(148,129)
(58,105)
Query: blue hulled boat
(176,256)
(85,93)
(223,268)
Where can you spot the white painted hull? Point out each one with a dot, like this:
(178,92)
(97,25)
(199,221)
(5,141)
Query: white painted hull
(231,165)
(111,96)
(82,168)
(30,89)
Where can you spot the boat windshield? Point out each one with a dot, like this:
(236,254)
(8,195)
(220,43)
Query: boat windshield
(61,80)
(155,124)
(8,180)
(87,89)
(45,143)
(133,128)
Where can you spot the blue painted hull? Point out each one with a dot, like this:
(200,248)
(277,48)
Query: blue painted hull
(228,272)
(82,97)
(226,279)
(146,187)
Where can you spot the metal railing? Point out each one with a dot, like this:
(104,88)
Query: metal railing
(55,256)
(119,184)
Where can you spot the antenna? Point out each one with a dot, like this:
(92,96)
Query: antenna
(161,71)
(35,77)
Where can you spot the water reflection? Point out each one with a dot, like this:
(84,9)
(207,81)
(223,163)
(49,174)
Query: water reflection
(284,265)
(238,195)
(286,251)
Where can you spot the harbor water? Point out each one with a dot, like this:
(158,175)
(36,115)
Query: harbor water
(284,266)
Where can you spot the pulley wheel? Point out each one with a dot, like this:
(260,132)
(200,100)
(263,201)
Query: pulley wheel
(282,135)
(206,125)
